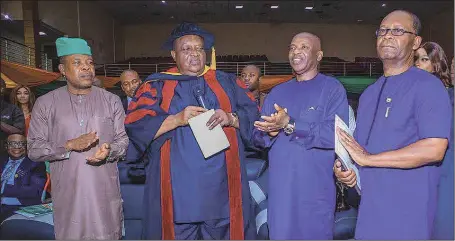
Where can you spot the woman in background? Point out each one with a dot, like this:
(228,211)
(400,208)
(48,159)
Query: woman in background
(431,57)
(24,98)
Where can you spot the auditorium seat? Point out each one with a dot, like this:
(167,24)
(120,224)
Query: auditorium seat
(258,189)
(24,229)
(132,180)
(345,223)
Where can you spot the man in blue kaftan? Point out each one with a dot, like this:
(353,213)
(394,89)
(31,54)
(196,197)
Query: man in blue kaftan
(403,127)
(186,195)
(298,127)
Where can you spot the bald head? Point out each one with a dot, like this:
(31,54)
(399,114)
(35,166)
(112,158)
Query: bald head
(406,18)
(130,80)
(16,137)
(315,40)
(128,72)
(304,55)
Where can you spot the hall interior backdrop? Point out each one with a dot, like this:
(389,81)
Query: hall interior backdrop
(118,30)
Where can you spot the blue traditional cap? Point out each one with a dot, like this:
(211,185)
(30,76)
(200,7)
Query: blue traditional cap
(187,28)
(68,46)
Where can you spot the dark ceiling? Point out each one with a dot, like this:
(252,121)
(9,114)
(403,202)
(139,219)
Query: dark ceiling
(16,28)
(366,11)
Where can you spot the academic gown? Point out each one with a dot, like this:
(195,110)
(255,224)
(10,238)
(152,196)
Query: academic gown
(302,191)
(444,220)
(393,113)
(199,186)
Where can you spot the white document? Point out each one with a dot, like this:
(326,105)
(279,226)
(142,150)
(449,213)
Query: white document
(210,141)
(342,153)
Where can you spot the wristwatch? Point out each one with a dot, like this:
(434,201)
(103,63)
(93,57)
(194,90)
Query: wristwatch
(234,117)
(290,127)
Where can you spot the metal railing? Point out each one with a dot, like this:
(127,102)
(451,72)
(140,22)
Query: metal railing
(267,68)
(13,51)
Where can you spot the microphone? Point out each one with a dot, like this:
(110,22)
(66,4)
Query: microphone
(198,92)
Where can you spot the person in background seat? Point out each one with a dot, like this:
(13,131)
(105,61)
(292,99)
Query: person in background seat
(22,180)
(250,76)
(130,81)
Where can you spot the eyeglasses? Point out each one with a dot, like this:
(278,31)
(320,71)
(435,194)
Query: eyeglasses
(393,31)
(16,144)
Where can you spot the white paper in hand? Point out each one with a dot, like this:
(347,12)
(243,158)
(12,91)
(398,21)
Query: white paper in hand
(342,153)
(210,141)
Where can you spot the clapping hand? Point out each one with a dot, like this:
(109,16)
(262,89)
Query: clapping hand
(100,155)
(275,122)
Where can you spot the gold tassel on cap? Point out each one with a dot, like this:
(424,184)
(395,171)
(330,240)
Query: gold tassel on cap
(213,61)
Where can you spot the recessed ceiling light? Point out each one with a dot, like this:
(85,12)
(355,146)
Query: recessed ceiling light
(308,8)
(384,4)
(163,1)
(274,6)
(239,6)
(42,33)
(172,16)
(359,20)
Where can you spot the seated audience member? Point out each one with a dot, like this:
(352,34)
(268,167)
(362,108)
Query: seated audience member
(431,57)
(22,180)
(250,76)
(23,97)
(11,118)
(130,80)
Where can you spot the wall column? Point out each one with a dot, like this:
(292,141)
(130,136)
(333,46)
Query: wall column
(31,32)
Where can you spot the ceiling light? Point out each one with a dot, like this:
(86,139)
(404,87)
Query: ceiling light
(384,4)
(42,33)
(359,20)
(163,1)
(308,8)
(239,6)
(6,16)
(274,6)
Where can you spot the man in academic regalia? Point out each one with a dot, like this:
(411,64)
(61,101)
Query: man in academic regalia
(186,195)
(80,129)
(403,127)
(298,127)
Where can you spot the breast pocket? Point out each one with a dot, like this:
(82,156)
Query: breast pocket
(104,126)
(311,114)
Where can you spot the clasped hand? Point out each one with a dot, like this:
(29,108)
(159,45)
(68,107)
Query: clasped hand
(87,141)
(275,122)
